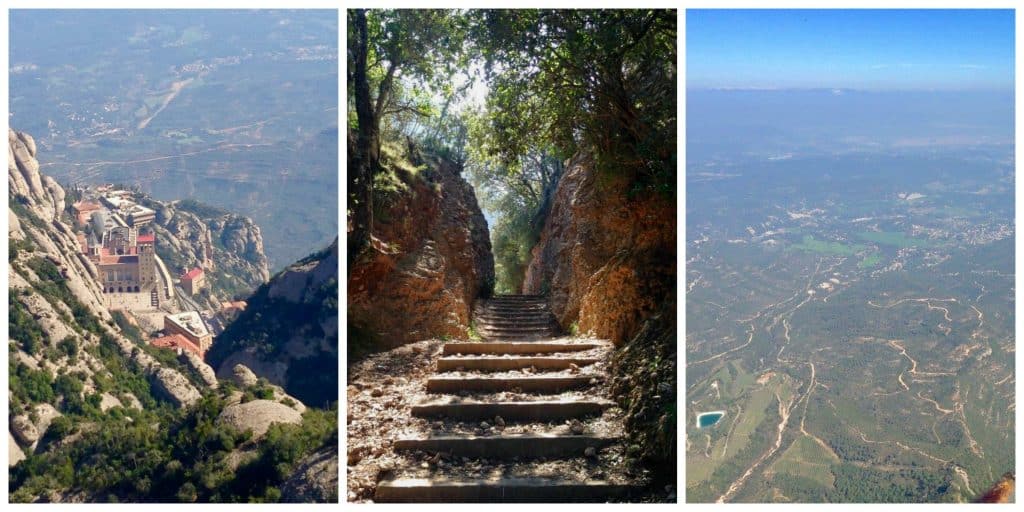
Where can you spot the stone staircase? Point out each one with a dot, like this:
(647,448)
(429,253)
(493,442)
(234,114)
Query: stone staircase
(519,417)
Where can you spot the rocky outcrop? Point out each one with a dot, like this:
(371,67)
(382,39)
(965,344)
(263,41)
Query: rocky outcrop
(29,429)
(314,480)
(288,334)
(243,376)
(605,259)
(14,453)
(246,379)
(24,430)
(257,416)
(176,387)
(429,260)
(204,371)
(25,181)
(228,246)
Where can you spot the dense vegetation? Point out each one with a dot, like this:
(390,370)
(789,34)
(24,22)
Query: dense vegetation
(170,455)
(558,82)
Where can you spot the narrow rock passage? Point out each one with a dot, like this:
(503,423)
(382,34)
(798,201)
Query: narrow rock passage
(521,416)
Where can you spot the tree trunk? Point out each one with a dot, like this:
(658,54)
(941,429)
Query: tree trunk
(367,151)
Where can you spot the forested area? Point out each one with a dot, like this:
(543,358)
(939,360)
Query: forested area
(509,96)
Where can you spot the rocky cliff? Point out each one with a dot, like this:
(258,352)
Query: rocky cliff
(288,334)
(607,260)
(227,246)
(88,420)
(608,263)
(65,346)
(429,261)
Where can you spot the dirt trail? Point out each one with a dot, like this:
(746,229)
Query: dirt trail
(784,411)
(750,338)
(732,428)
(901,446)
(176,88)
(959,407)
(967,481)
(807,400)
(981,322)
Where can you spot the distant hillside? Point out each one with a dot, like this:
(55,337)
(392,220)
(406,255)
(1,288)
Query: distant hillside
(289,331)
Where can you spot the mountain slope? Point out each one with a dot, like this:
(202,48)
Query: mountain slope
(289,331)
(97,414)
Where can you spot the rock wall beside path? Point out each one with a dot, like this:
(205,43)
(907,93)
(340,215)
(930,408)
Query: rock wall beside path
(605,259)
(429,261)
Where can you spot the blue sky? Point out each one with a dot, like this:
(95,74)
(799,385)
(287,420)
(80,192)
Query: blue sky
(872,49)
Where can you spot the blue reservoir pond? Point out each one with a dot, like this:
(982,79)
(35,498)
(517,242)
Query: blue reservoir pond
(707,419)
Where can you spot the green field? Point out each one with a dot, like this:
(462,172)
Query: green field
(810,244)
(871,260)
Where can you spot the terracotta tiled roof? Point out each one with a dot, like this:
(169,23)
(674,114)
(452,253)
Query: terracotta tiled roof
(176,341)
(192,274)
(146,239)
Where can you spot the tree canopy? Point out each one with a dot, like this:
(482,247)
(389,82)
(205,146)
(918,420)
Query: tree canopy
(559,82)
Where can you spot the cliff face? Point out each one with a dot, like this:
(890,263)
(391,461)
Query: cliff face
(606,260)
(430,259)
(288,334)
(58,322)
(227,246)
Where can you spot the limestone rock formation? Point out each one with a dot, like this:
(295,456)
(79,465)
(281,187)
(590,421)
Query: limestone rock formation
(228,246)
(243,376)
(176,387)
(24,430)
(429,260)
(205,372)
(314,480)
(606,260)
(26,183)
(257,416)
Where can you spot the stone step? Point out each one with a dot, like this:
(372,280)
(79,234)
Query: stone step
(514,307)
(512,331)
(518,337)
(507,446)
(524,384)
(501,314)
(515,317)
(510,363)
(509,490)
(504,321)
(514,303)
(471,410)
(515,348)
